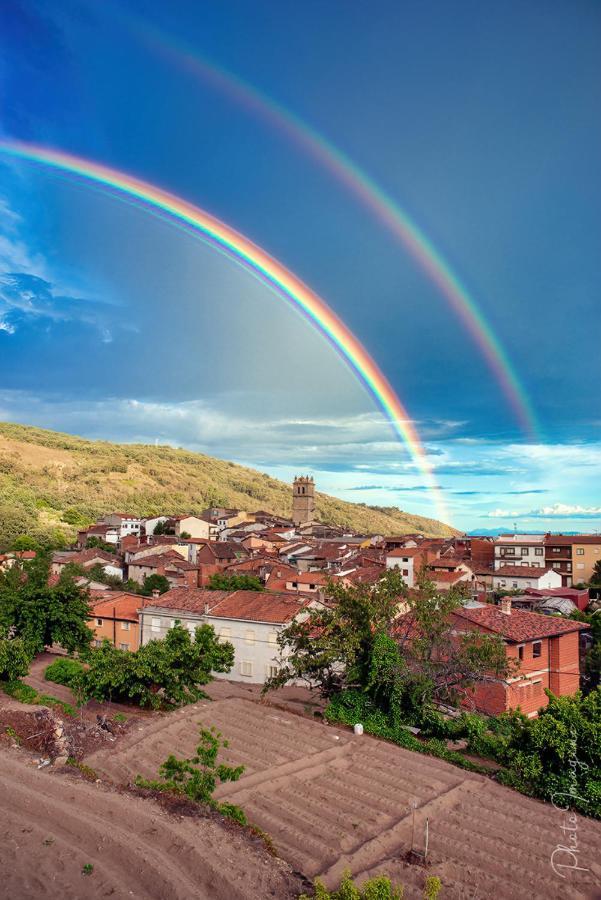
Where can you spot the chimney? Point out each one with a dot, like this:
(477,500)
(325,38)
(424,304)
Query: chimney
(207,609)
(156,593)
(506,606)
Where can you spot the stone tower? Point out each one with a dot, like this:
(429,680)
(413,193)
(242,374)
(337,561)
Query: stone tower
(303,500)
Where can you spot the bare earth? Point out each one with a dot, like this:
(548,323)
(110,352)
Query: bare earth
(332,801)
(52,825)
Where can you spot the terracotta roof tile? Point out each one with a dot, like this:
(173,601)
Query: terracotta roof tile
(519,625)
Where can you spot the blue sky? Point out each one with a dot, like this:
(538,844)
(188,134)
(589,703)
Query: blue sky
(479,119)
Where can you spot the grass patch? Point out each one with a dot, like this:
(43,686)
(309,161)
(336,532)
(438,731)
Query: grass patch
(24,693)
(63,671)
(87,771)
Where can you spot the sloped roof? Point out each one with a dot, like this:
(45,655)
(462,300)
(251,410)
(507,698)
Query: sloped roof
(255,606)
(522,571)
(518,625)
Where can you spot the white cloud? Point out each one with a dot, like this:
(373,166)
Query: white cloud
(556,511)
(7,327)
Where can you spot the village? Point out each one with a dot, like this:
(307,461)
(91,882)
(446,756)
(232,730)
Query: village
(520,587)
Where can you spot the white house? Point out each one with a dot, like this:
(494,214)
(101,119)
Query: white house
(407,560)
(125,523)
(250,620)
(527,550)
(512,578)
(193,526)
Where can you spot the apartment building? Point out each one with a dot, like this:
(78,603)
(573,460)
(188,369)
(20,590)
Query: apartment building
(573,556)
(520,550)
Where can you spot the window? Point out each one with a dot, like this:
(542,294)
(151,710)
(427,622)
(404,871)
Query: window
(520,651)
(272,671)
(124,626)
(98,643)
(99,621)
(502,583)
(246,667)
(580,565)
(525,551)
(272,638)
(556,565)
(507,551)
(295,584)
(579,551)
(123,646)
(249,637)
(525,563)
(555,549)
(155,624)
(537,649)
(515,584)
(538,551)
(405,571)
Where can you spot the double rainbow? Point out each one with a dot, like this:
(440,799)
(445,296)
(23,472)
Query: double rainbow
(263,266)
(370,194)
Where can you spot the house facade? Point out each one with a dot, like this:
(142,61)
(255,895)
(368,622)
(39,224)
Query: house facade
(526,550)
(544,651)
(512,578)
(115,619)
(250,620)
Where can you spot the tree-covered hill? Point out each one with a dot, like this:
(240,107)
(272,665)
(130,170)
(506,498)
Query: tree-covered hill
(52,483)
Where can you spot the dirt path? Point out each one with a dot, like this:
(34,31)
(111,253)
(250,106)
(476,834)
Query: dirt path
(53,825)
(331,800)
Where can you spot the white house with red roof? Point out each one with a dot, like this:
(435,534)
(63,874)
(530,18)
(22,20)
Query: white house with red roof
(512,578)
(250,620)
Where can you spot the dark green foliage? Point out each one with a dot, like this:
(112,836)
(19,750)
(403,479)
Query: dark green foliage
(163,528)
(14,659)
(154,583)
(26,542)
(351,707)
(162,673)
(197,777)
(63,671)
(222,582)
(96,543)
(596,576)
(592,661)
(43,615)
(557,756)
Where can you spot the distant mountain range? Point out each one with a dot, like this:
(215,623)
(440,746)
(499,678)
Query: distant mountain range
(55,483)
(509,529)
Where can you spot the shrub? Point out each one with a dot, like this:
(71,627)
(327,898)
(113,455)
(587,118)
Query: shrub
(63,671)
(379,888)
(14,659)
(197,777)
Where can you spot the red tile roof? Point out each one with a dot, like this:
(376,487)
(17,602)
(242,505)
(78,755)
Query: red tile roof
(447,577)
(518,625)
(569,539)
(190,599)
(521,571)
(255,606)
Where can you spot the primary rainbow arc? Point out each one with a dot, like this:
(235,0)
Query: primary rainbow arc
(268,269)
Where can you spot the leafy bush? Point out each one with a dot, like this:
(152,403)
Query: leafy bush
(379,888)
(63,671)
(162,673)
(222,582)
(197,777)
(351,707)
(22,692)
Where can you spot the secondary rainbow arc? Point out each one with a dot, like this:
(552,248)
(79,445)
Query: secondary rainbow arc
(386,210)
(271,272)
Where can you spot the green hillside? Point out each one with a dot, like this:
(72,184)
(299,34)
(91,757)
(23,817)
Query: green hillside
(52,483)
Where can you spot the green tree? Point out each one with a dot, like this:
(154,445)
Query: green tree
(26,542)
(14,658)
(96,543)
(42,615)
(166,672)
(358,641)
(557,756)
(592,660)
(197,777)
(222,582)
(596,576)
(163,528)
(154,583)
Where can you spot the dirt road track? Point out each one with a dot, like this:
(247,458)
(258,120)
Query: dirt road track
(52,825)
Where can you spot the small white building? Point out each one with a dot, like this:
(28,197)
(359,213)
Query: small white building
(124,522)
(193,526)
(250,620)
(407,561)
(513,578)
